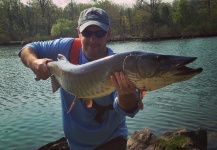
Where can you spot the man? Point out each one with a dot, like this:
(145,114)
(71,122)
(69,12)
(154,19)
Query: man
(82,130)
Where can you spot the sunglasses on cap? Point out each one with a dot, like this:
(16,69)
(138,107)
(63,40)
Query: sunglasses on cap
(99,33)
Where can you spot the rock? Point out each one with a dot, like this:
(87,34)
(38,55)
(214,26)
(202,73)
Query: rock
(181,140)
(60,144)
(143,139)
(146,140)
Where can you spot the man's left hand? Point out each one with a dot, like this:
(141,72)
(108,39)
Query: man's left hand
(122,83)
(127,97)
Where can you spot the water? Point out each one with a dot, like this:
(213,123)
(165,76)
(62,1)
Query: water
(30,115)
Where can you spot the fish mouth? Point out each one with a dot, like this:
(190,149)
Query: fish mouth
(180,68)
(184,70)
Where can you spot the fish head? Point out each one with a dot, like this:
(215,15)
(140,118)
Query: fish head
(150,71)
(152,65)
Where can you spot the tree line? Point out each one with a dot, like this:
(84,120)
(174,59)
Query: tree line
(146,19)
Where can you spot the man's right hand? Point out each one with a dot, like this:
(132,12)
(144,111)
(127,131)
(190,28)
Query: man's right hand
(39,67)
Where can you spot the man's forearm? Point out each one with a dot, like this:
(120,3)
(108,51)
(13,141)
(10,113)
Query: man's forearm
(39,66)
(28,55)
(128,102)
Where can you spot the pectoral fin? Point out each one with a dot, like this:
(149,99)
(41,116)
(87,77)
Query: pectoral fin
(142,94)
(55,84)
(88,102)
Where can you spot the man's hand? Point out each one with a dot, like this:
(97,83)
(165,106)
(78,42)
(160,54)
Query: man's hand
(127,97)
(122,84)
(39,67)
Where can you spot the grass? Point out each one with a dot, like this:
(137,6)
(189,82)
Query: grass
(174,143)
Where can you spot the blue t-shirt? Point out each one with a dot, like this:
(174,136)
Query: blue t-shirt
(81,129)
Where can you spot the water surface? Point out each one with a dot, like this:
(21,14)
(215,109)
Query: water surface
(30,115)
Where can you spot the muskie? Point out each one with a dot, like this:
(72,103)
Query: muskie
(148,71)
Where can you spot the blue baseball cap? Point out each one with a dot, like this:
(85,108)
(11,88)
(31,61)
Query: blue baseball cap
(93,16)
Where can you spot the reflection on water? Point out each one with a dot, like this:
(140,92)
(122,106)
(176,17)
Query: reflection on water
(30,115)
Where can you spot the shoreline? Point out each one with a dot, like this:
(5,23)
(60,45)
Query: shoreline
(124,40)
(163,38)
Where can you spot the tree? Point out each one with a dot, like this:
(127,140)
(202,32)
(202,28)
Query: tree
(43,4)
(64,28)
(12,22)
(165,12)
(146,19)
(71,11)
(141,23)
(182,14)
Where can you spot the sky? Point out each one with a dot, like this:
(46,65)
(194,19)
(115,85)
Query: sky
(63,3)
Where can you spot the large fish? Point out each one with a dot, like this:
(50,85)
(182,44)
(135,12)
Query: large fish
(148,71)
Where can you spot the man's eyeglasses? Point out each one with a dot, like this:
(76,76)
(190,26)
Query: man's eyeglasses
(99,33)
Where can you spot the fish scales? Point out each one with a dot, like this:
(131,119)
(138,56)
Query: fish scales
(148,71)
(93,80)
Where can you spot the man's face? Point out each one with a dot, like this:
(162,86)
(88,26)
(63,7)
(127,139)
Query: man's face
(94,47)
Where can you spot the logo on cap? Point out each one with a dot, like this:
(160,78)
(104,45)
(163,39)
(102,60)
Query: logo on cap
(93,14)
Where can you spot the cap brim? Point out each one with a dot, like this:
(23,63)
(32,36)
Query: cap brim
(101,25)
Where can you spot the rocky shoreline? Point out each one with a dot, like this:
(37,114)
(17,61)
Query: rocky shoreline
(146,140)
(179,140)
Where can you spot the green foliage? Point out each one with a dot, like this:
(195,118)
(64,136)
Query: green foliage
(174,143)
(63,28)
(38,20)
(163,32)
(165,12)
(182,13)
(141,23)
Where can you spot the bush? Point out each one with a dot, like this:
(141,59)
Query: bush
(64,28)
(4,38)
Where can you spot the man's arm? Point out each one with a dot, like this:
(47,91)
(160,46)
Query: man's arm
(128,99)
(39,66)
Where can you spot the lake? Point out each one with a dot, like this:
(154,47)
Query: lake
(30,115)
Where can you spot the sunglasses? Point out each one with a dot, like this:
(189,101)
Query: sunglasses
(99,33)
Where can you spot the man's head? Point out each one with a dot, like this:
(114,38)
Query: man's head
(93,16)
(94,31)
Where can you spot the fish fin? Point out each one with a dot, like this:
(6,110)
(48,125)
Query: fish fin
(88,102)
(61,57)
(141,105)
(55,84)
(72,105)
(142,95)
